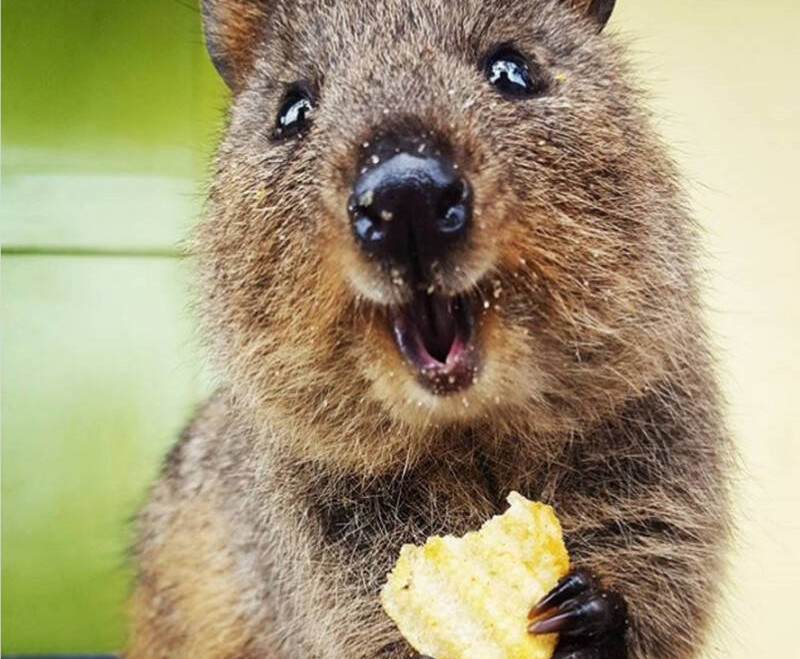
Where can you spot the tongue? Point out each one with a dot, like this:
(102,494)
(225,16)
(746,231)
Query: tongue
(436,322)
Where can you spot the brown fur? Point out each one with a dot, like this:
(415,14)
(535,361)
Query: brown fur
(283,506)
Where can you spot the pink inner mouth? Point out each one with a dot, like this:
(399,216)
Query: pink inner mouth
(434,333)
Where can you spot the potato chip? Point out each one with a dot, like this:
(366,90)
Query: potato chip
(469,597)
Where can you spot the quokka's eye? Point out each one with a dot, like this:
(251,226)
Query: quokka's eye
(295,111)
(513,74)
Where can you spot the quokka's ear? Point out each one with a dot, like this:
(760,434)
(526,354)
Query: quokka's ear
(599,11)
(232,29)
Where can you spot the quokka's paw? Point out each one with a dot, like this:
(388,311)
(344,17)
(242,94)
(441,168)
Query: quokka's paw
(590,620)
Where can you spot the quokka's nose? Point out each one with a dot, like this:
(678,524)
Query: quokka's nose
(410,207)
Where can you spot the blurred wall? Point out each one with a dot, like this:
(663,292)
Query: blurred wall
(723,76)
(109,111)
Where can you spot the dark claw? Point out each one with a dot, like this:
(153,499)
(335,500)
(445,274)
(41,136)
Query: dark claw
(590,615)
(568,587)
(591,621)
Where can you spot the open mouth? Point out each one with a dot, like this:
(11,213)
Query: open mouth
(435,334)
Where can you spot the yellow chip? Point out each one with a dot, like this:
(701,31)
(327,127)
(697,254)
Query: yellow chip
(469,597)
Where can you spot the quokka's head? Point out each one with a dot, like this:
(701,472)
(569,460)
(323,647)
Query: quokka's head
(432,215)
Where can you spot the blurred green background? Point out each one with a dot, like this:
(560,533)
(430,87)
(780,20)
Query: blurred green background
(109,115)
(109,110)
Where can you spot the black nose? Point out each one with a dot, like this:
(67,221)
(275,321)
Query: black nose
(410,207)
